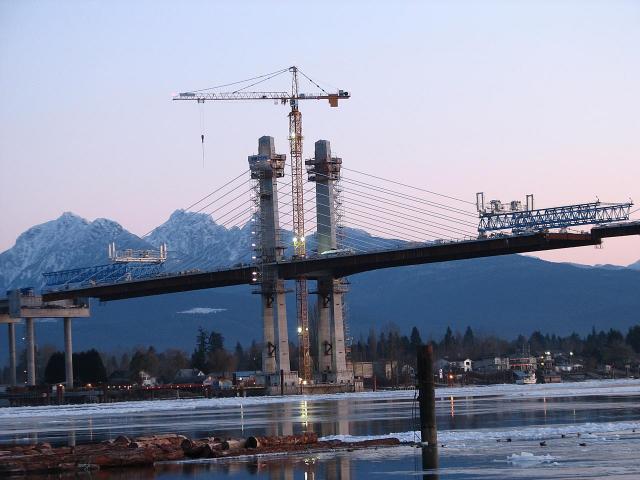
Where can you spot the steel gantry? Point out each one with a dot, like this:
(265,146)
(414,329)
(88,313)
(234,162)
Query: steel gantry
(518,221)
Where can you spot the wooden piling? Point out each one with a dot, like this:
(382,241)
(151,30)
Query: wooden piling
(427,396)
(281,382)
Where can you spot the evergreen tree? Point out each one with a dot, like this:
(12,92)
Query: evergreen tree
(468,340)
(448,339)
(416,340)
(54,372)
(199,356)
(88,367)
(215,342)
(633,338)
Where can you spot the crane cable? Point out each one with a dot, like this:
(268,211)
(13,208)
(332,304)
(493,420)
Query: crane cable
(202,130)
(240,81)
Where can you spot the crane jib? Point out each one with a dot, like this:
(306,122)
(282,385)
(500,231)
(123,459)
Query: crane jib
(283,96)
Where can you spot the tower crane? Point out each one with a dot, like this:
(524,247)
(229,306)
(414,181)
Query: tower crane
(292,98)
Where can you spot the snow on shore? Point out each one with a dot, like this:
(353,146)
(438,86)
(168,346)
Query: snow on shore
(590,388)
(593,431)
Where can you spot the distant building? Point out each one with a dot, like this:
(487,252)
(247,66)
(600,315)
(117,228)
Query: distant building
(147,380)
(465,365)
(386,369)
(216,382)
(119,377)
(189,375)
(245,378)
(523,364)
(491,365)
(442,364)
(363,369)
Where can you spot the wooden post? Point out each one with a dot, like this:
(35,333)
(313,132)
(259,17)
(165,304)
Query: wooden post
(427,396)
(281,382)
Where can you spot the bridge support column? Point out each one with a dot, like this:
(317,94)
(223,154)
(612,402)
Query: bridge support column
(31,352)
(266,168)
(284,362)
(324,170)
(68,353)
(269,335)
(12,353)
(325,344)
(339,357)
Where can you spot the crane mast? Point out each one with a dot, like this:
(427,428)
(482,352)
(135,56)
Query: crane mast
(297,177)
(299,244)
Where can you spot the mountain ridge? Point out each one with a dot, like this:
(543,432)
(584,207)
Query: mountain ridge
(507,295)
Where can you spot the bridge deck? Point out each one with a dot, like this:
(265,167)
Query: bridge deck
(344,265)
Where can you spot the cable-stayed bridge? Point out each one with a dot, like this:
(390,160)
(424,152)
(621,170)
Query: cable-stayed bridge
(355,221)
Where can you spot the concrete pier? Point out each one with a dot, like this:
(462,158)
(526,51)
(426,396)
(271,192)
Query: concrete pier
(269,335)
(266,167)
(68,353)
(31,353)
(284,362)
(24,303)
(324,170)
(12,353)
(325,346)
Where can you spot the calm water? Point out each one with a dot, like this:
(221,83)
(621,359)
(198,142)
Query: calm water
(470,421)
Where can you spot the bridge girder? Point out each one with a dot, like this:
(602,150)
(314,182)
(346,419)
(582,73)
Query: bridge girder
(345,265)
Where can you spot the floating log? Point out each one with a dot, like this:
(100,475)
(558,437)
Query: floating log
(234,444)
(204,448)
(158,440)
(303,439)
(40,458)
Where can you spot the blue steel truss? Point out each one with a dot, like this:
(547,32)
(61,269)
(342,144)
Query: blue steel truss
(109,273)
(556,217)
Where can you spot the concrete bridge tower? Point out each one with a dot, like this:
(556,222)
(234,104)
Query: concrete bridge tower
(324,170)
(266,168)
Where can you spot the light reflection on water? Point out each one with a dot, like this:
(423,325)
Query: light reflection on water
(354,416)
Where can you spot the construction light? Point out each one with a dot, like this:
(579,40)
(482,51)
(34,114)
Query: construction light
(299,329)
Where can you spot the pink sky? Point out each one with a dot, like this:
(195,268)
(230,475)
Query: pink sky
(504,97)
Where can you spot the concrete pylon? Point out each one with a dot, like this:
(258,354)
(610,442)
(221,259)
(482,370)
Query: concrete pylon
(324,170)
(68,353)
(266,168)
(31,353)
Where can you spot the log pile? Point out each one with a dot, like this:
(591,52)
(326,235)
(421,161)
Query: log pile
(146,451)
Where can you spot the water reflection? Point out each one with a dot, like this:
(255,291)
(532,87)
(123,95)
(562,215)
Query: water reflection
(345,416)
(430,462)
(280,468)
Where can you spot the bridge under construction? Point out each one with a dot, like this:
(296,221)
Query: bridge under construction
(502,229)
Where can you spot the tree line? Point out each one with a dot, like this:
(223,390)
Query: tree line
(210,355)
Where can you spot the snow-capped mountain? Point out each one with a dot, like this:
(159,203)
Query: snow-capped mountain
(67,242)
(635,266)
(430,296)
(194,240)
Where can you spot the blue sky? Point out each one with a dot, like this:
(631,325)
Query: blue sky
(507,97)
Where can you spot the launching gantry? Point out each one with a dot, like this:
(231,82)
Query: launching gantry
(497,216)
